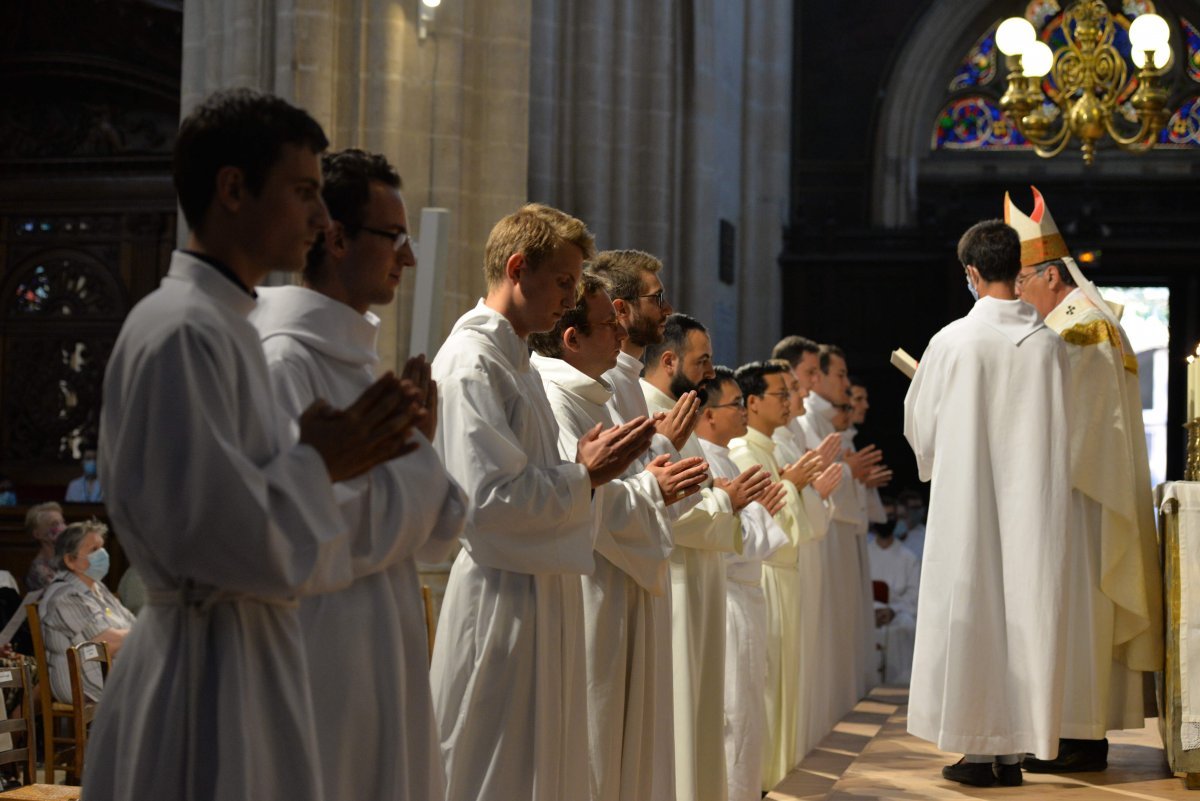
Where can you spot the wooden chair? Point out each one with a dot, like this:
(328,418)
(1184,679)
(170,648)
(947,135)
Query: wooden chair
(430,620)
(19,677)
(78,656)
(54,746)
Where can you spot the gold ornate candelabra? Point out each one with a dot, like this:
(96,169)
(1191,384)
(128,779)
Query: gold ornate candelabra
(1089,73)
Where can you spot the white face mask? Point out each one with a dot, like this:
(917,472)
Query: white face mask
(971,288)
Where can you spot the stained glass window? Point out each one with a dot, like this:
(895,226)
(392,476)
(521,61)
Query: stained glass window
(971,118)
(979,67)
(1183,128)
(1192,35)
(974,122)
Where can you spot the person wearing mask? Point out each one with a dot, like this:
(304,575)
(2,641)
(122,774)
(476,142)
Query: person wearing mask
(986,417)
(86,488)
(77,607)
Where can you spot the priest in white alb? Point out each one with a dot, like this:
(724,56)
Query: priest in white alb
(702,535)
(722,418)
(627,613)
(986,416)
(1115,585)
(508,672)
(320,342)
(227,518)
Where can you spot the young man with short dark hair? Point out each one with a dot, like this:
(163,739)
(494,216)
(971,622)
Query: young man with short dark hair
(986,416)
(226,516)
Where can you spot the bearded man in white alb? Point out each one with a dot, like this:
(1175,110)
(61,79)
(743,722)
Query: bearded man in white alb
(712,528)
(320,342)
(630,733)
(1115,586)
(986,416)
(722,418)
(508,672)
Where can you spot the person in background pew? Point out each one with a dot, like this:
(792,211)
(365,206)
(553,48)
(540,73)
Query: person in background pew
(77,607)
(44,522)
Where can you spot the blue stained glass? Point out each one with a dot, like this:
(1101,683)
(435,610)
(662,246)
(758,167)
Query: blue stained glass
(974,122)
(979,67)
(1192,35)
(1183,129)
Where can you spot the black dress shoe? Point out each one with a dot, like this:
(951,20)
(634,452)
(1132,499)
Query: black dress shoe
(1007,775)
(1074,756)
(976,774)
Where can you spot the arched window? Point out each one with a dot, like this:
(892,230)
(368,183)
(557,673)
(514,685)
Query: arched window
(971,119)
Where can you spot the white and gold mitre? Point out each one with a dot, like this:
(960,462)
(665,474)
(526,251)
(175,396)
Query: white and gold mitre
(1040,239)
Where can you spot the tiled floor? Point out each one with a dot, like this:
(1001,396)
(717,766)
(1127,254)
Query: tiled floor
(870,755)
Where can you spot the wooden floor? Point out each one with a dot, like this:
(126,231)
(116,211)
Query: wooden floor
(870,755)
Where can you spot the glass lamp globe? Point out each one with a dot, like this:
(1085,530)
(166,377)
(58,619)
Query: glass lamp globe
(1014,35)
(1148,32)
(1037,59)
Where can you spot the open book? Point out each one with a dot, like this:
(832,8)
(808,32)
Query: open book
(904,363)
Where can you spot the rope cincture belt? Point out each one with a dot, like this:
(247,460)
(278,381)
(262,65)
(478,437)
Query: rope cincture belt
(196,602)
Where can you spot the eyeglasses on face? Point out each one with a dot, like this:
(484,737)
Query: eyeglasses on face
(399,238)
(782,394)
(659,298)
(739,403)
(1022,278)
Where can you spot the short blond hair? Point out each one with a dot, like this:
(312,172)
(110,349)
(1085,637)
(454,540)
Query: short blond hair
(33,518)
(622,271)
(536,230)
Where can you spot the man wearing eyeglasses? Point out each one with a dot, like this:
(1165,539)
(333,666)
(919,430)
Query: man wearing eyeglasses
(787,572)
(722,419)
(379,737)
(1115,587)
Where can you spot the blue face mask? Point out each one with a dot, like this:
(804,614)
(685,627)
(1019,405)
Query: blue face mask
(89,467)
(971,288)
(97,565)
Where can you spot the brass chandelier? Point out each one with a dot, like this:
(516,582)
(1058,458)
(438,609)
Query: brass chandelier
(1089,74)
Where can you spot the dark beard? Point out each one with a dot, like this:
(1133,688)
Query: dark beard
(643,332)
(681,384)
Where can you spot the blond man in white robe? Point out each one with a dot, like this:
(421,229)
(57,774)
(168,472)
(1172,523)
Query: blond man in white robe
(225,515)
(378,738)
(722,418)
(1115,583)
(509,665)
(630,732)
(702,535)
(986,416)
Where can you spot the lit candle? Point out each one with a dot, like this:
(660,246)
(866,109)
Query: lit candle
(1191,389)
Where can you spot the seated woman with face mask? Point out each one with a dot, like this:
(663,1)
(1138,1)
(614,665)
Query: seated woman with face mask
(77,607)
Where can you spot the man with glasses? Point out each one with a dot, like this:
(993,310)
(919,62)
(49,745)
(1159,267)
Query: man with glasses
(1115,588)
(723,418)
(633,280)
(986,416)
(768,406)
(674,367)
(320,342)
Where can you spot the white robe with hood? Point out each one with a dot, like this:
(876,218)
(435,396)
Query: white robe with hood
(377,733)
(986,417)
(228,521)
(626,607)
(508,672)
